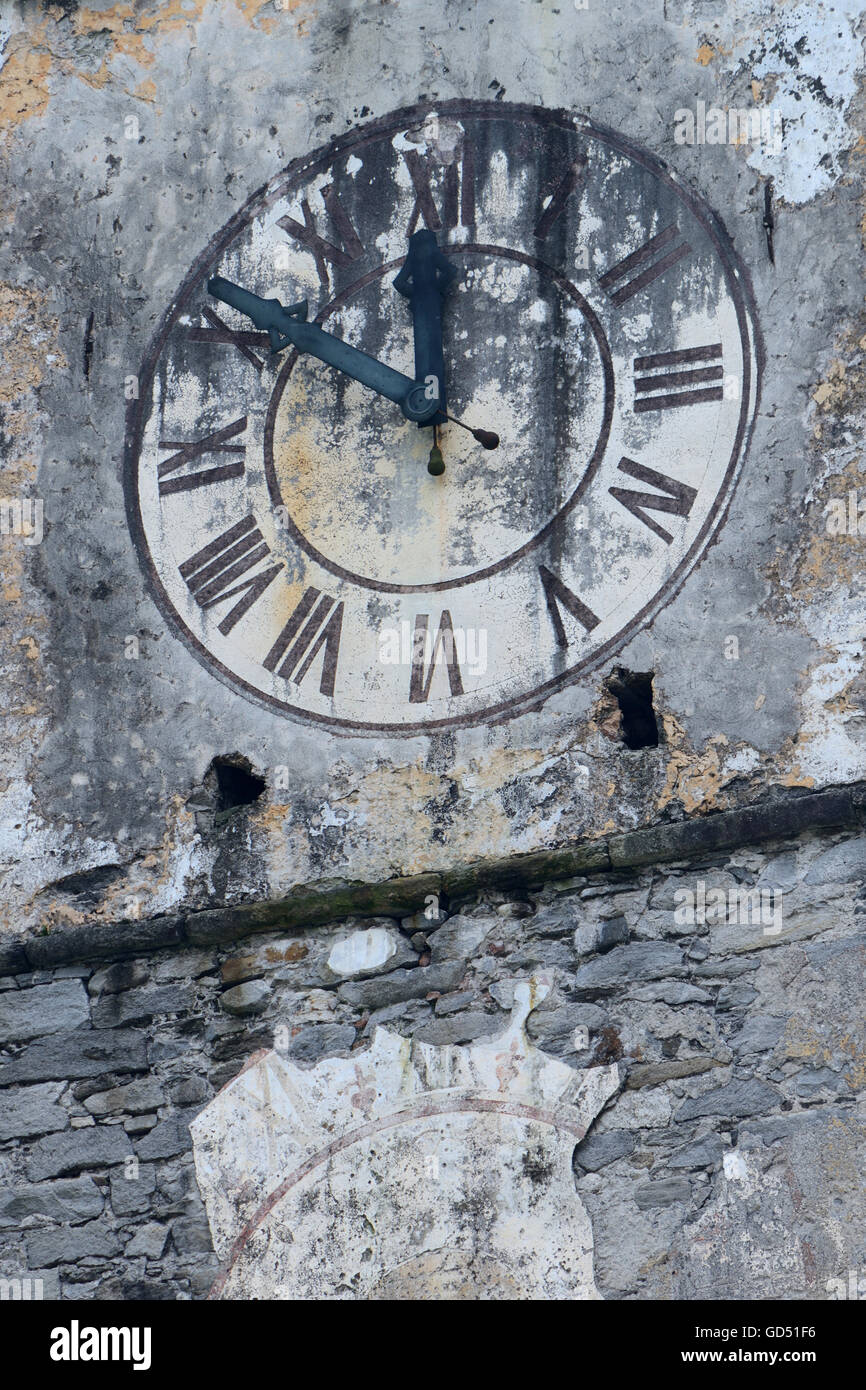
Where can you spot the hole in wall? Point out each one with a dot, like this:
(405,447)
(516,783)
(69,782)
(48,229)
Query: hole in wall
(634,695)
(229,785)
(236,783)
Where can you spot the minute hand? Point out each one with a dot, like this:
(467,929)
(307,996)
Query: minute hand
(286,326)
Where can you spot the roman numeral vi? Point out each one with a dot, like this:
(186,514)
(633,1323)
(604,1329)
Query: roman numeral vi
(419,682)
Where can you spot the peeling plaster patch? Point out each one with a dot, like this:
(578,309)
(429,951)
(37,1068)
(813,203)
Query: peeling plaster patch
(155,882)
(331,819)
(541,834)
(38,853)
(843,388)
(744,760)
(822,574)
(184,861)
(808,57)
(827,749)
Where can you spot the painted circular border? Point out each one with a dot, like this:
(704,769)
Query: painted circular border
(739,287)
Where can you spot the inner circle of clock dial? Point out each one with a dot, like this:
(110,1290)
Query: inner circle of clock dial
(522,359)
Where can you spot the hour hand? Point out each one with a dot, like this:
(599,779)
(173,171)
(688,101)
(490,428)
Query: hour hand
(288,326)
(425,279)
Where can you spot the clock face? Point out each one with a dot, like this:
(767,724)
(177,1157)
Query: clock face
(598,321)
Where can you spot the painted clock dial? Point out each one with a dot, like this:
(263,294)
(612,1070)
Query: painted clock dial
(598,321)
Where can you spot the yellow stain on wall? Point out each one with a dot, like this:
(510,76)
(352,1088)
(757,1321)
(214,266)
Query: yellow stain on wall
(39,51)
(24,90)
(694,779)
(23,350)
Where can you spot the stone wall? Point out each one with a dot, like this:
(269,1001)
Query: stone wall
(727,1162)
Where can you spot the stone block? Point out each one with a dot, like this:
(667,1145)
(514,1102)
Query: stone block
(32,1110)
(400,985)
(31,1013)
(132,1194)
(68,1244)
(369,951)
(166,1139)
(321,1040)
(737,1100)
(642,960)
(243,1001)
(78,1054)
(599,1150)
(191,1235)
(842,863)
(460,938)
(149,1240)
(113,979)
(461,1027)
(139,1005)
(136,1098)
(662,1193)
(703,1153)
(100,1147)
(65,1199)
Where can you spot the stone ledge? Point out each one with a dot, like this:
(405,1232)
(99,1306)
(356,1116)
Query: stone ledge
(312,905)
(768,820)
(95,941)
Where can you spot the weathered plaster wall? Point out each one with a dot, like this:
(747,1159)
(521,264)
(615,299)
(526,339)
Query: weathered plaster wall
(105,811)
(702,1077)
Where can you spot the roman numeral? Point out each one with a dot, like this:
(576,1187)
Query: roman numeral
(419,682)
(678,385)
(295,649)
(243,339)
(559,198)
(678,502)
(458,190)
(649,252)
(211,444)
(556,593)
(211,572)
(350,247)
